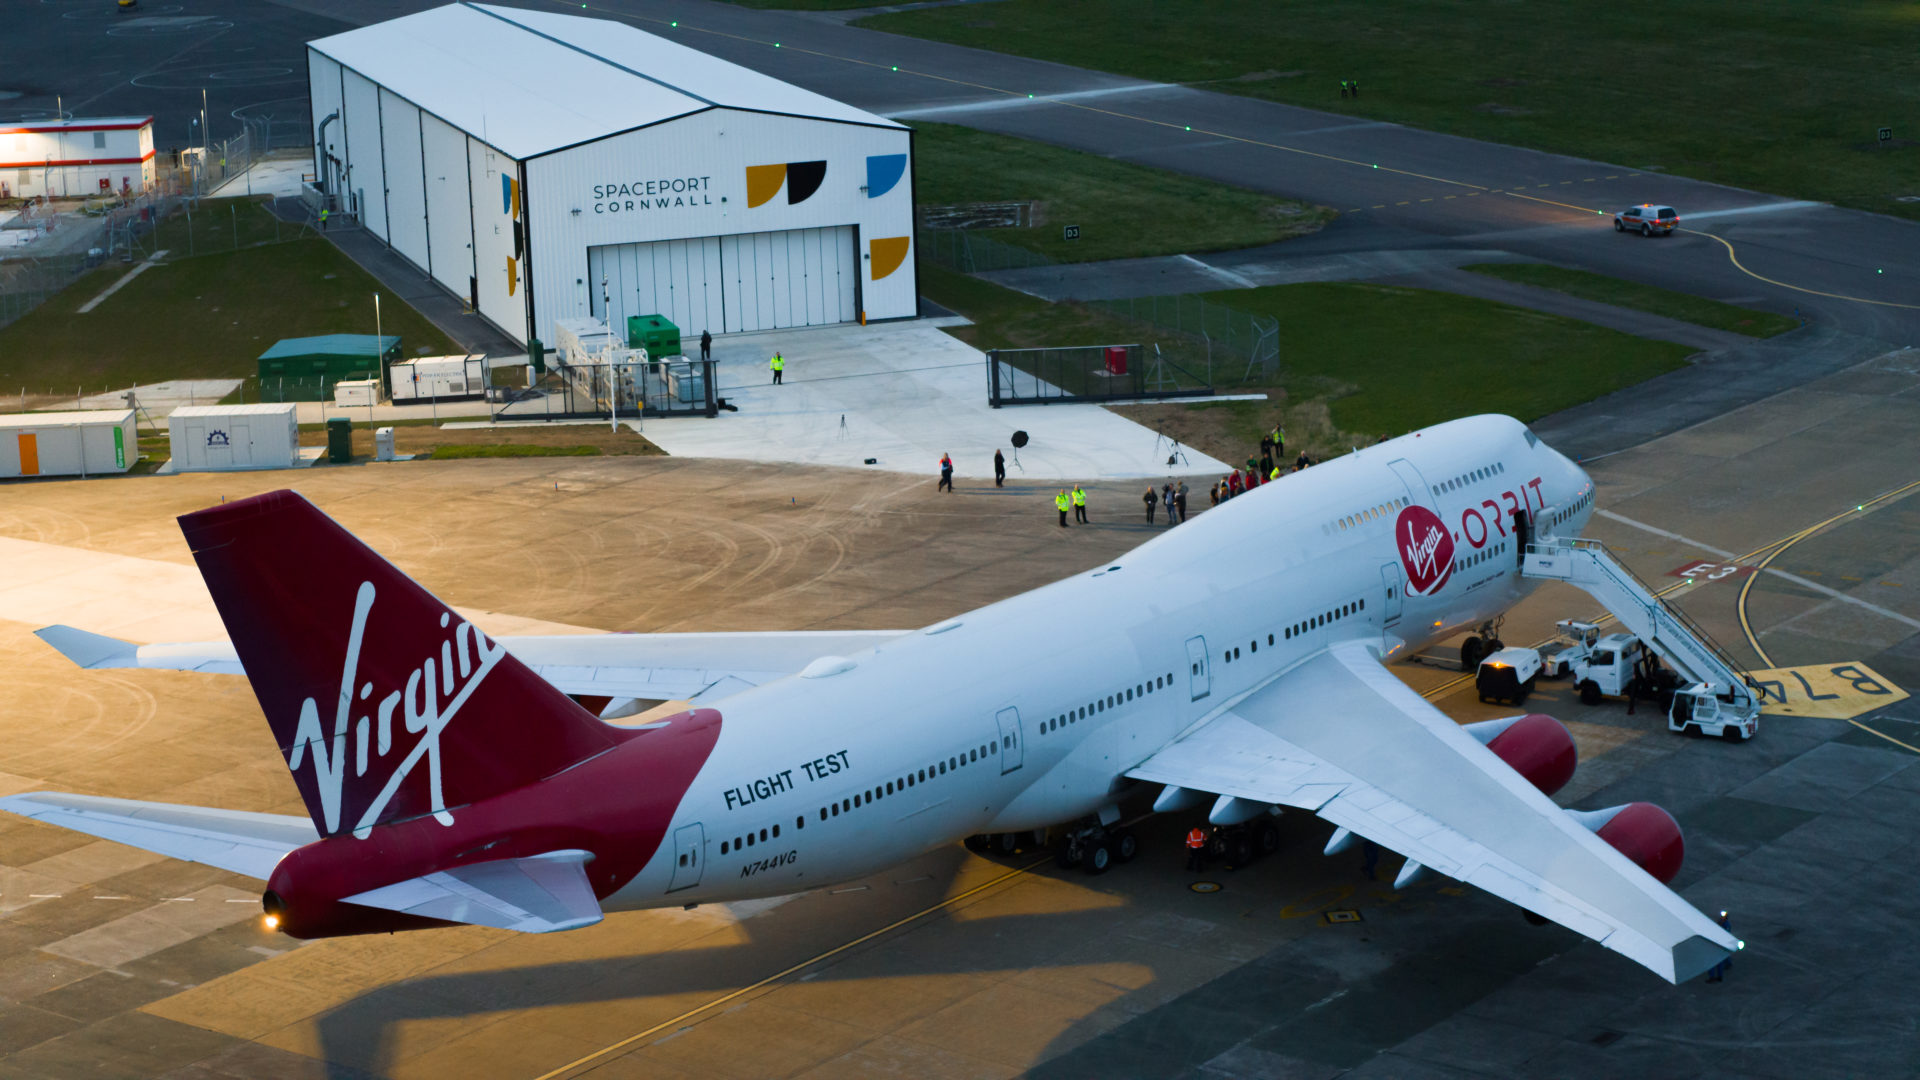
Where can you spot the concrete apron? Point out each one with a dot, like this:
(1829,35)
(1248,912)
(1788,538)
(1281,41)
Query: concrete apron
(903,394)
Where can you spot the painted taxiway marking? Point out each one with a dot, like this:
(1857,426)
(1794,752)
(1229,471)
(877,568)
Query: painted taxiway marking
(1797,579)
(1832,691)
(1746,589)
(802,965)
(1884,735)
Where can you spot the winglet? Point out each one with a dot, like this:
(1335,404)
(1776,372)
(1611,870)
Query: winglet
(89,650)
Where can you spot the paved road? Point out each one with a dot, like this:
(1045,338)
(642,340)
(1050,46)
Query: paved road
(1400,189)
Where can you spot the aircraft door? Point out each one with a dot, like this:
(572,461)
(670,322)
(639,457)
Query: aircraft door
(1522,536)
(1410,477)
(1197,667)
(1009,720)
(689,845)
(1393,583)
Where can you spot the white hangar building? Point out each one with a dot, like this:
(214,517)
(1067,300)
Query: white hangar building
(550,167)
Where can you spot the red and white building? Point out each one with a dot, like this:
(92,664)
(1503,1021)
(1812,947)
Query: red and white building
(76,158)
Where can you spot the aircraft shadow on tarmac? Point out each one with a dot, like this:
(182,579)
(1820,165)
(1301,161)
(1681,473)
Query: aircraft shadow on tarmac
(1470,943)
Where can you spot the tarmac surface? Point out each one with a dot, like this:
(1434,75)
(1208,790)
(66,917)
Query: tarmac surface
(117,963)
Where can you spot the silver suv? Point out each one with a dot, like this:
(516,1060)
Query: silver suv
(1647,218)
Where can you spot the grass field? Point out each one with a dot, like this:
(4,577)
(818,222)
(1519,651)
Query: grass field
(1648,298)
(200,317)
(1123,210)
(1357,361)
(1783,96)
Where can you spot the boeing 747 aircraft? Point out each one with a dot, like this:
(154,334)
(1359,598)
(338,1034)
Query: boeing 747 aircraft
(1235,661)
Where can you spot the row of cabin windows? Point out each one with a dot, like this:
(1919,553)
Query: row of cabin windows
(1579,504)
(1371,513)
(766,834)
(913,779)
(1352,607)
(1466,478)
(1480,556)
(1301,627)
(1111,701)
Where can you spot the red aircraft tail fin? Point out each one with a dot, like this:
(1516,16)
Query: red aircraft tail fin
(387,704)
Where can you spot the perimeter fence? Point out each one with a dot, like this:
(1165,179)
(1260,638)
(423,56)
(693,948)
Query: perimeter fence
(1238,346)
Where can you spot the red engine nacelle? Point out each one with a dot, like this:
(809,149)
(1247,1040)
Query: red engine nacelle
(1536,745)
(1642,832)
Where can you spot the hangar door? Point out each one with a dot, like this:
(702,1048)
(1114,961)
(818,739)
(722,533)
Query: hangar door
(729,284)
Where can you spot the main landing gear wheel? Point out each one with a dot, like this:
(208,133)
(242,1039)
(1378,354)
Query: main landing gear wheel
(1471,650)
(1125,845)
(1266,838)
(1099,858)
(1007,843)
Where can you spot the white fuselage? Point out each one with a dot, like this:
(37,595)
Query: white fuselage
(1029,712)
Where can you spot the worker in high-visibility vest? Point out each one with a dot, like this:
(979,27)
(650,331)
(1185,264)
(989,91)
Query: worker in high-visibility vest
(778,365)
(1079,504)
(1196,849)
(1060,503)
(1274,475)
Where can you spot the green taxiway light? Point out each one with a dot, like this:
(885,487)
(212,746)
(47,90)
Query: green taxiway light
(896,67)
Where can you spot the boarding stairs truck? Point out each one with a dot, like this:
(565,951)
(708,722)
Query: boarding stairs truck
(1714,698)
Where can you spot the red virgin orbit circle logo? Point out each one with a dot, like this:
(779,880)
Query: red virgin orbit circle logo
(1426,549)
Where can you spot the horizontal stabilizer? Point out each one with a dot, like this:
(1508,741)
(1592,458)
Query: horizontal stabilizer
(535,895)
(90,650)
(236,840)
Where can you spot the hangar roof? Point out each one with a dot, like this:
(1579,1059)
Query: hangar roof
(531,82)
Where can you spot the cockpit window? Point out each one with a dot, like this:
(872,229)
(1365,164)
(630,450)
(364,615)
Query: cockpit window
(1532,439)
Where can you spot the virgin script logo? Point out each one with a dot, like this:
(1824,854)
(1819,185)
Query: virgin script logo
(432,697)
(1426,549)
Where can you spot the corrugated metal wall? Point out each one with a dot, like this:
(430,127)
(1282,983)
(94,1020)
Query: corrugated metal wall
(406,191)
(499,274)
(688,179)
(323,88)
(449,218)
(362,158)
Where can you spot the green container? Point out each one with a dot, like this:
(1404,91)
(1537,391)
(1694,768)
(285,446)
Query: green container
(653,333)
(305,369)
(340,440)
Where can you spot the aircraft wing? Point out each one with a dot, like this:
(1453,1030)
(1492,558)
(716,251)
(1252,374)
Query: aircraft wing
(1340,736)
(656,667)
(236,840)
(538,894)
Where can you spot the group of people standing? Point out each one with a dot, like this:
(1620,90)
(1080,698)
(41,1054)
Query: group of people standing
(1173,496)
(1264,469)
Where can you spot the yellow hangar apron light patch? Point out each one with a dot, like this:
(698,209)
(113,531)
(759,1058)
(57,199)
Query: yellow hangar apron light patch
(1833,691)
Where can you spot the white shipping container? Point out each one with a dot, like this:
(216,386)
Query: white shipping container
(439,378)
(213,438)
(84,443)
(356,392)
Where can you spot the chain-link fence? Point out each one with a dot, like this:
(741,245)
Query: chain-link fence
(1089,373)
(1232,337)
(971,253)
(612,391)
(43,250)
(1237,345)
(220,162)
